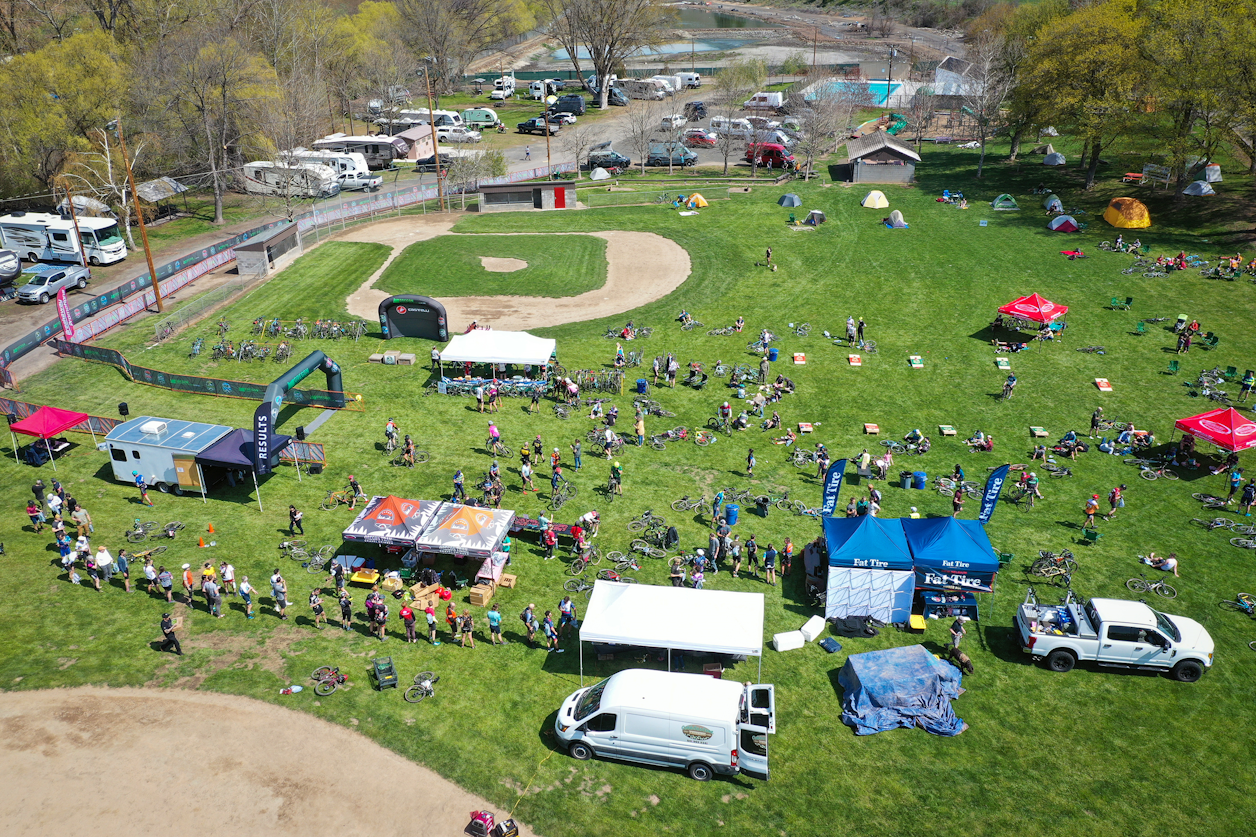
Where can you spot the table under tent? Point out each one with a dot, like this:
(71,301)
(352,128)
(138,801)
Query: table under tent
(1031,313)
(232,456)
(45,424)
(489,355)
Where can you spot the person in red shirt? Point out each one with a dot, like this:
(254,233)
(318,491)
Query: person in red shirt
(550,539)
(577,535)
(407,617)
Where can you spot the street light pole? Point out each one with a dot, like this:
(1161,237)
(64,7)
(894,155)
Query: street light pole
(440,186)
(139,214)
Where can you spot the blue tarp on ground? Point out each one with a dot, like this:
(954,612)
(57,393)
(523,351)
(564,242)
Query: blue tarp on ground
(867,542)
(951,554)
(900,687)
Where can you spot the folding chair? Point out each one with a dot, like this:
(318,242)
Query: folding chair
(1005,558)
(1141,328)
(1230,373)
(1173,368)
(1129,302)
(1090,536)
(1118,305)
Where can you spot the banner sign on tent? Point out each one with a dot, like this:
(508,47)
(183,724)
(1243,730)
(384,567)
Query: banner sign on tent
(994,486)
(63,312)
(833,486)
(928,577)
(262,428)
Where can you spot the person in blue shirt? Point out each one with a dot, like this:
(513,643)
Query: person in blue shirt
(715,506)
(494,617)
(459,488)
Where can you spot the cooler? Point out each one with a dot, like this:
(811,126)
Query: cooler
(773,354)
(731,512)
(919,479)
(643,386)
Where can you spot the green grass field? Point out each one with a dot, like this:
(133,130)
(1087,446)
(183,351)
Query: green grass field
(562,265)
(1095,752)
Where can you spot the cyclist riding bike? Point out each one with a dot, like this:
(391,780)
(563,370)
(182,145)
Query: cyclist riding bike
(494,437)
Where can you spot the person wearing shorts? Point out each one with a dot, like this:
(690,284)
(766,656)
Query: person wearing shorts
(769,565)
(227,573)
(494,617)
(566,615)
(1092,506)
(316,606)
(429,613)
(122,564)
(752,556)
(246,593)
(150,575)
(529,622)
(165,578)
(381,620)
(1116,499)
(466,624)
(551,635)
(279,589)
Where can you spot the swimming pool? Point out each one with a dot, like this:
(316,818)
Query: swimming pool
(881,90)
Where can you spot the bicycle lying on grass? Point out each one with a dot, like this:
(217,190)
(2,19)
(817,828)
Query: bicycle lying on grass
(327,679)
(1143,585)
(1242,602)
(422,688)
(142,531)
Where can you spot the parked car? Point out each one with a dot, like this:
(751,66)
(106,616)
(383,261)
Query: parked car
(732,127)
(570,103)
(700,138)
(673,121)
(560,117)
(695,111)
(536,125)
(10,267)
(608,158)
(670,153)
(44,285)
(769,154)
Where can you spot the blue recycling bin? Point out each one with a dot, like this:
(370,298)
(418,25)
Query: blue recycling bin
(919,479)
(731,512)
(773,354)
(643,386)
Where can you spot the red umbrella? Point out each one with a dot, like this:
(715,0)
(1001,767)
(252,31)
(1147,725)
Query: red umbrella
(1226,428)
(1034,307)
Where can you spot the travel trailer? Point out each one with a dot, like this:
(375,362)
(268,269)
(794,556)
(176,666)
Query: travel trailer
(42,236)
(379,151)
(264,177)
(340,162)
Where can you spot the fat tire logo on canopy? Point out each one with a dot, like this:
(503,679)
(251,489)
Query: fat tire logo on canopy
(401,309)
(1246,429)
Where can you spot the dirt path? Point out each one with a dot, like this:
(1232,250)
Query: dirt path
(641,267)
(146,761)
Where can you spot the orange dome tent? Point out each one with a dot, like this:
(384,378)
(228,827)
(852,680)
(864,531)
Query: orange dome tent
(1127,214)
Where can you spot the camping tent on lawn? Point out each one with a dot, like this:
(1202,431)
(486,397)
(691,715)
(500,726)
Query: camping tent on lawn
(951,554)
(1052,203)
(1225,427)
(391,521)
(1127,214)
(895,221)
(1055,158)
(45,423)
(874,200)
(466,530)
(1210,174)
(1034,308)
(815,218)
(599,173)
(1004,203)
(1063,223)
(1198,188)
(653,616)
(789,199)
(234,452)
(696,201)
(900,687)
(870,568)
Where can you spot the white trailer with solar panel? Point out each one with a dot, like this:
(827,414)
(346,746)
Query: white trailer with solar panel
(162,450)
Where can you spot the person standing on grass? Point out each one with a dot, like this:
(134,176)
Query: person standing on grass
(123,565)
(1116,500)
(381,620)
(639,427)
(673,369)
(316,607)
(1095,418)
(142,485)
(165,578)
(246,595)
(551,635)
(468,629)
(294,521)
(104,564)
(750,462)
(617,478)
(36,514)
(734,554)
(529,623)
(1248,498)
(209,589)
(169,640)
(525,473)
(1236,481)
(715,508)
(550,540)
(769,565)
(555,459)
(494,617)
(429,613)
(150,575)
(859,331)
(566,615)
(38,489)
(82,521)
(1091,507)
(535,405)
(55,505)
(787,556)
(752,557)
(576,449)
(279,590)
(958,630)
(957,502)
(1245,389)
(407,619)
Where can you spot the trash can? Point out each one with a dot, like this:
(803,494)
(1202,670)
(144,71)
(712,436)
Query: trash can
(643,386)
(773,354)
(731,511)
(904,479)
(763,503)
(919,479)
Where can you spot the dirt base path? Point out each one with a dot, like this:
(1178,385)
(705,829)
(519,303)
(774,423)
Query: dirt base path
(641,267)
(145,761)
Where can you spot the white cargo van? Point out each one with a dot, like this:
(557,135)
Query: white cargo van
(694,722)
(765,101)
(732,127)
(691,80)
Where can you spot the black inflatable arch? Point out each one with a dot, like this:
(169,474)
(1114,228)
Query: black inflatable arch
(267,414)
(408,315)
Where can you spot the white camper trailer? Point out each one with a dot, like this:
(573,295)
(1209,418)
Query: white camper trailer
(379,151)
(341,162)
(264,177)
(41,236)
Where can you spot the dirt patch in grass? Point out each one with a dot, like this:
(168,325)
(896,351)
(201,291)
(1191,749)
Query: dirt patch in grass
(495,265)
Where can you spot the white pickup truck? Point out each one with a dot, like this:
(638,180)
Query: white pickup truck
(1114,633)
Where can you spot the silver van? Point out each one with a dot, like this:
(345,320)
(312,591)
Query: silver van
(694,722)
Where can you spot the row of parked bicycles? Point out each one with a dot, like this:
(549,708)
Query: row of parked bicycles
(302,329)
(246,351)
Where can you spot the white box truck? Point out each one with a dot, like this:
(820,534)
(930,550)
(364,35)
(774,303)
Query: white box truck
(694,722)
(42,236)
(691,80)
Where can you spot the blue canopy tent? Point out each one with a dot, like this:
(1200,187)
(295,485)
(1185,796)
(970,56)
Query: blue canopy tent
(951,554)
(870,569)
(234,452)
(900,687)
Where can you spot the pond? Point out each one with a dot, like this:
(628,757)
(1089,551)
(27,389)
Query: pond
(695,18)
(709,45)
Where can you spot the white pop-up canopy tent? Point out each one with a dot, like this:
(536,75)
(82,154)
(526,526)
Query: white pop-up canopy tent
(715,621)
(488,346)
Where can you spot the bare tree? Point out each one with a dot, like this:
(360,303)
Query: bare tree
(453,32)
(733,85)
(562,26)
(612,30)
(920,113)
(101,174)
(577,139)
(642,121)
(987,84)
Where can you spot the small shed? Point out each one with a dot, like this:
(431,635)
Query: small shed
(879,158)
(548,194)
(268,251)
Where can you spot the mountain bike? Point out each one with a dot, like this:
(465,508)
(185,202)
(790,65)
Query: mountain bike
(1142,585)
(422,688)
(1154,472)
(801,329)
(686,504)
(1243,602)
(577,585)
(562,494)
(327,680)
(1092,350)
(582,562)
(1049,564)
(170,530)
(420,456)
(691,325)
(615,575)
(1214,523)
(704,437)
(294,550)
(140,531)
(497,448)
(646,520)
(646,549)
(337,496)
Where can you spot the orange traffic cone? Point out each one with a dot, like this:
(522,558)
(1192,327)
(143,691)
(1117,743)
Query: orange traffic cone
(200,542)
(211,528)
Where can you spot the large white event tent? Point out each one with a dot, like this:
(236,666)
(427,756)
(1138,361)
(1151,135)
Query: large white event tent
(715,621)
(488,346)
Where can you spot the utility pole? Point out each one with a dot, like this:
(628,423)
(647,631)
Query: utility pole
(548,163)
(440,183)
(139,214)
(69,198)
(815,40)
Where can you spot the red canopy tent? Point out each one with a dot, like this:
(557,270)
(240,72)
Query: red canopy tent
(45,423)
(1225,427)
(1035,308)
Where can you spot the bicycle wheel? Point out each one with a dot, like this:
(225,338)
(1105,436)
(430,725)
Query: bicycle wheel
(573,585)
(1228,605)
(156,550)
(1166,590)
(173,526)
(293,544)
(298,554)
(1243,530)
(703,439)
(617,558)
(1149,474)
(321,673)
(1169,475)
(608,575)
(428,676)
(329,502)
(415,693)
(576,567)
(639,545)
(315,565)
(1245,543)
(1137,585)
(323,688)
(636,525)
(657,445)
(136,536)
(870,347)
(422,456)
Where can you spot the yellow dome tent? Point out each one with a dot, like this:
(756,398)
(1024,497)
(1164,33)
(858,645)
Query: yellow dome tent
(1127,214)
(696,201)
(874,200)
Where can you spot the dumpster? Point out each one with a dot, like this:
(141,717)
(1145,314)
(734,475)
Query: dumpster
(643,386)
(904,479)
(919,479)
(731,511)
(773,354)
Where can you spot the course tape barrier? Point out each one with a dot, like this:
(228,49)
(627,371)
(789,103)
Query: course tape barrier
(97,424)
(204,385)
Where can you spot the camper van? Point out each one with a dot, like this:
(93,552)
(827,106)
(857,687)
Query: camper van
(673,83)
(339,162)
(163,451)
(503,88)
(694,722)
(691,80)
(765,101)
(264,177)
(379,151)
(725,127)
(480,118)
(41,236)
(641,88)
(544,87)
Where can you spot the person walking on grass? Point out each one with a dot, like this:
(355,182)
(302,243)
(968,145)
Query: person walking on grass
(957,502)
(767,257)
(639,427)
(82,521)
(209,589)
(294,521)
(551,635)
(787,558)
(494,617)
(1248,498)
(279,590)
(381,620)
(859,331)
(752,557)
(468,630)
(246,596)
(169,640)
(1236,482)
(958,630)
(1091,507)
(165,579)
(123,565)
(566,615)
(1095,418)
(142,485)
(525,472)
(316,607)
(36,514)
(529,623)
(1116,500)
(769,565)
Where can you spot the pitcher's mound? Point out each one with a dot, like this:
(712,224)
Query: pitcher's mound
(494,265)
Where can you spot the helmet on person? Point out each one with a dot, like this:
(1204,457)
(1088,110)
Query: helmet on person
(135,473)
(616,463)
(351,476)
(555,450)
(1032,474)
(407,437)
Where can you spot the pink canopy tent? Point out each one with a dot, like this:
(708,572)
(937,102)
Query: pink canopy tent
(45,423)
(1035,308)
(1225,427)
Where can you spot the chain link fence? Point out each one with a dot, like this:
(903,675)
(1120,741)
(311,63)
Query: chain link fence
(171,325)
